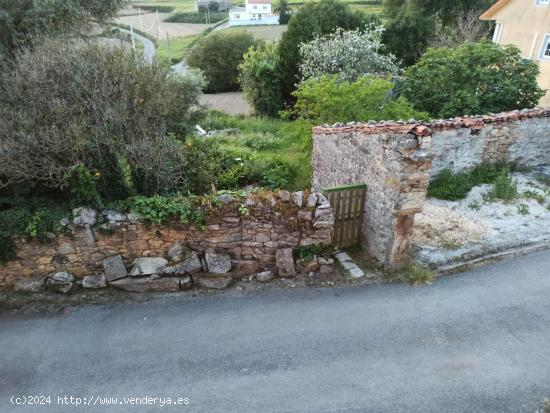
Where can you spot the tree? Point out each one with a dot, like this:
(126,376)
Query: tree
(313,19)
(283,8)
(71,110)
(413,25)
(260,79)
(472,79)
(329,99)
(218,56)
(348,54)
(409,34)
(24,21)
(467,28)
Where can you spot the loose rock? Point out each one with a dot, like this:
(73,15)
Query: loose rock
(264,276)
(217,282)
(84,216)
(148,284)
(218,263)
(147,265)
(29,284)
(191,264)
(114,268)
(285,262)
(94,281)
(62,282)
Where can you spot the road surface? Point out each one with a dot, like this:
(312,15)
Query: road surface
(474,342)
(149,49)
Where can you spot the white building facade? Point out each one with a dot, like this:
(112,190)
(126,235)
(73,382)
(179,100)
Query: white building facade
(255,12)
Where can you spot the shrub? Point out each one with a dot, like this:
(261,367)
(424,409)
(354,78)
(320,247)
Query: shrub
(329,100)
(218,56)
(454,186)
(260,78)
(102,113)
(314,18)
(474,78)
(348,54)
(202,163)
(24,22)
(504,188)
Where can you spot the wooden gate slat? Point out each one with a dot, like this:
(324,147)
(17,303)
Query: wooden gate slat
(348,204)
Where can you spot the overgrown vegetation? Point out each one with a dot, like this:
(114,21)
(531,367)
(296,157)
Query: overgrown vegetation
(81,120)
(504,188)
(453,186)
(218,56)
(328,100)
(472,79)
(267,152)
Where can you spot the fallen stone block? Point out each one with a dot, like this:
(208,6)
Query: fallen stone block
(284,260)
(147,284)
(61,282)
(114,268)
(94,281)
(191,265)
(264,276)
(147,266)
(212,281)
(218,263)
(29,284)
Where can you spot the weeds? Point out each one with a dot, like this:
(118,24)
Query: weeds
(523,209)
(454,186)
(504,188)
(535,196)
(417,274)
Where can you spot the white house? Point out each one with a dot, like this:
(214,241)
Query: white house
(254,12)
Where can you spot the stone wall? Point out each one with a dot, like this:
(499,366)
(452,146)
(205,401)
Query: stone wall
(519,137)
(396,160)
(394,163)
(250,231)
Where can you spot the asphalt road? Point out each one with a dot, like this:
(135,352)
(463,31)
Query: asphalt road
(474,342)
(149,49)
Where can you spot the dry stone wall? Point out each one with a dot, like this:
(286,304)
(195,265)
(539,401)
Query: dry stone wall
(396,160)
(245,233)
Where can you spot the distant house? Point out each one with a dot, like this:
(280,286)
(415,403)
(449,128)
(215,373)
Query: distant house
(254,12)
(201,5)
(525,24)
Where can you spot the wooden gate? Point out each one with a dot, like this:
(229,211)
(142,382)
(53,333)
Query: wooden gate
(348,204)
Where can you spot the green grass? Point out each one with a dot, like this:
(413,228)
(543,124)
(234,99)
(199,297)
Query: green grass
(504,188)
(179,47)
(269,152)
(454,186)
(187,17)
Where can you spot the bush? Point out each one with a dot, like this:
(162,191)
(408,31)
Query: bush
(348,54)
(329,100)
(474,78)
(284,18)
(218,56)
(202,163)
(196,17)
(454,186)
(24,22)
(504,188)
(260,78)
(408,34)
(314,18)
(103,114)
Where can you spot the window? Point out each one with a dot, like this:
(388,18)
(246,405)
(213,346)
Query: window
(255,7)
(265,7)
(545,51)
(542,2)
(497,34)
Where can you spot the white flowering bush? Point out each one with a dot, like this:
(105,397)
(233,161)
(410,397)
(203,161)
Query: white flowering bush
(347,54)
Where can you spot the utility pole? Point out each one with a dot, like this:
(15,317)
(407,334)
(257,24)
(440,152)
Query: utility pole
(169,48)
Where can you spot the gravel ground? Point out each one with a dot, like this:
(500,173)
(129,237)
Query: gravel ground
(449,232)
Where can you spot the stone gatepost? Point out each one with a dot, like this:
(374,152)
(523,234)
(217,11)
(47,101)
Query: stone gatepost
(394,161)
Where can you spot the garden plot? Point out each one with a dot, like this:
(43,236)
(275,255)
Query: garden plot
(451,232)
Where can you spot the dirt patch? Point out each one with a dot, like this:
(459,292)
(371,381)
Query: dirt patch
(231,102)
